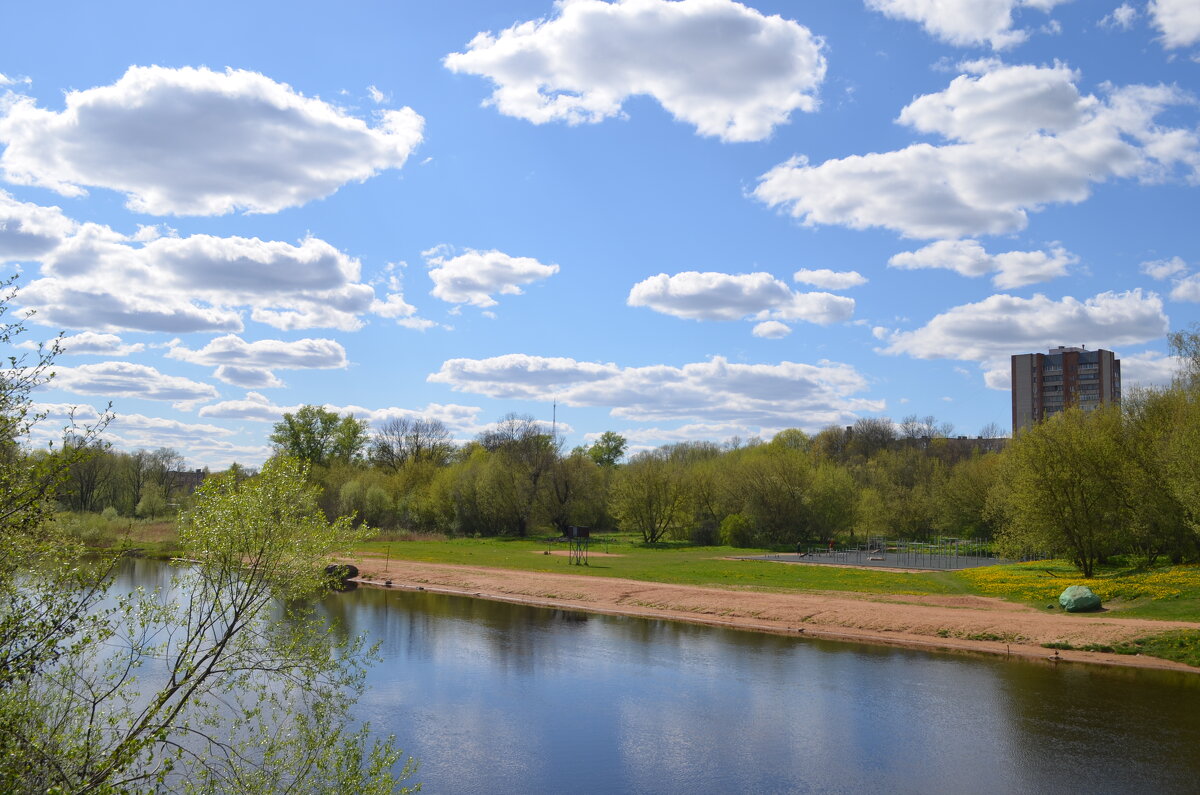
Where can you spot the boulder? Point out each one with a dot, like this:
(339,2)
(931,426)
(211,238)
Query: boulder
(1079,599)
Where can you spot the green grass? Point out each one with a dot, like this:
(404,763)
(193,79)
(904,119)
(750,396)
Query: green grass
(1160,592)
(669,563)
(1181,646)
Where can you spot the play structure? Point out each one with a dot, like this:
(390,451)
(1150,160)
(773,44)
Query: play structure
(936,553)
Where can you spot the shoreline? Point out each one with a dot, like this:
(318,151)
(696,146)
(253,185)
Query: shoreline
(971,624)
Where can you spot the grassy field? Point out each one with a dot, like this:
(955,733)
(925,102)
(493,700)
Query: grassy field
(1165,592)
(670,563)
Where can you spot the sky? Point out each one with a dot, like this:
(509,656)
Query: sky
(674,219)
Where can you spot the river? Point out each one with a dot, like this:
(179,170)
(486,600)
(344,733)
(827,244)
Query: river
(501,698)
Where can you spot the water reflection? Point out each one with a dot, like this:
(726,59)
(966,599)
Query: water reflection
(506,698)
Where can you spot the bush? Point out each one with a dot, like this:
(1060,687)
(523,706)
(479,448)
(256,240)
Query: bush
(737,530)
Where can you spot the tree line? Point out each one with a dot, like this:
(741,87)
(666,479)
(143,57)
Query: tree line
(1084,485)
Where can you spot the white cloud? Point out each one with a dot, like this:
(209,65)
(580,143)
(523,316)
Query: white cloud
(728,296)
(1177,20)
(304,354)
(28,231)
(1021,137)
(475,276)
(1164,268)
(968,257)
(772,330)
(197,142)
(716,64)
(203,444)
(1002,325)
(98,279)
(250,364)
(125,379)
(965,22)
(247,377)
(1121,17)
(88,343)
(1187,289)
(649,438)
(1148,368)
(829,279)
(377,96)
(259,408)
(787,393)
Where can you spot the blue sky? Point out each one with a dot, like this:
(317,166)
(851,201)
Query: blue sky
(679,220)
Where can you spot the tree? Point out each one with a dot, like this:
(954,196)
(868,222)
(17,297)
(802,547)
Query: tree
(521,457)
(250,701)
(39,615)
(405,440)
(608,449)
(649,494)
(319,437)
(1061,487)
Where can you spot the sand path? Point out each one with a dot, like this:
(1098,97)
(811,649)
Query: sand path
(966,623)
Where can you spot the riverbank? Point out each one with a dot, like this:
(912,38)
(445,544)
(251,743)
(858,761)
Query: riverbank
(932,621)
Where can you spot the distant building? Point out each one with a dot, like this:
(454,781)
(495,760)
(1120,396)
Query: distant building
(1044,384)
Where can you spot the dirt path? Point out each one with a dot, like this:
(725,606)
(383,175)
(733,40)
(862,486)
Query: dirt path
(972,623)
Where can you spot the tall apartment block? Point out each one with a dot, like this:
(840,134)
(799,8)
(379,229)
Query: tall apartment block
(1044,384)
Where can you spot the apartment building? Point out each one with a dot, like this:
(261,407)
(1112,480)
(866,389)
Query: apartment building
(1044,384)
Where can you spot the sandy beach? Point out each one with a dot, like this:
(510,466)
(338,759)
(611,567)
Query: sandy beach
(952,623)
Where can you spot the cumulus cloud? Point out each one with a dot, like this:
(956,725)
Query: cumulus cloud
(1019,138)
(1185,286)
(787,393)
(247,377)
(304,354)
(125,379)
(730,296)
(965,22)
(772,330)
(1164,268)
(718,65)
(1177,20)
(28,231)
(259,408)
(649,438)
(1187,289)
(473,277)
(192,141)
(1148,368)
(968,257)
(1121,17)
(204,444)
(1001,325)
(829,279)
(99,279)
(88,343)
(250,364)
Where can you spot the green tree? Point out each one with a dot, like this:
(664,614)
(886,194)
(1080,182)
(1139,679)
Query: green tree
(649,494)
(608,449)
(319,437)
(247,702)
(1061,487)
(252,701)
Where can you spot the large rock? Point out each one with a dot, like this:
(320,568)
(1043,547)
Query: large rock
(1079,599)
